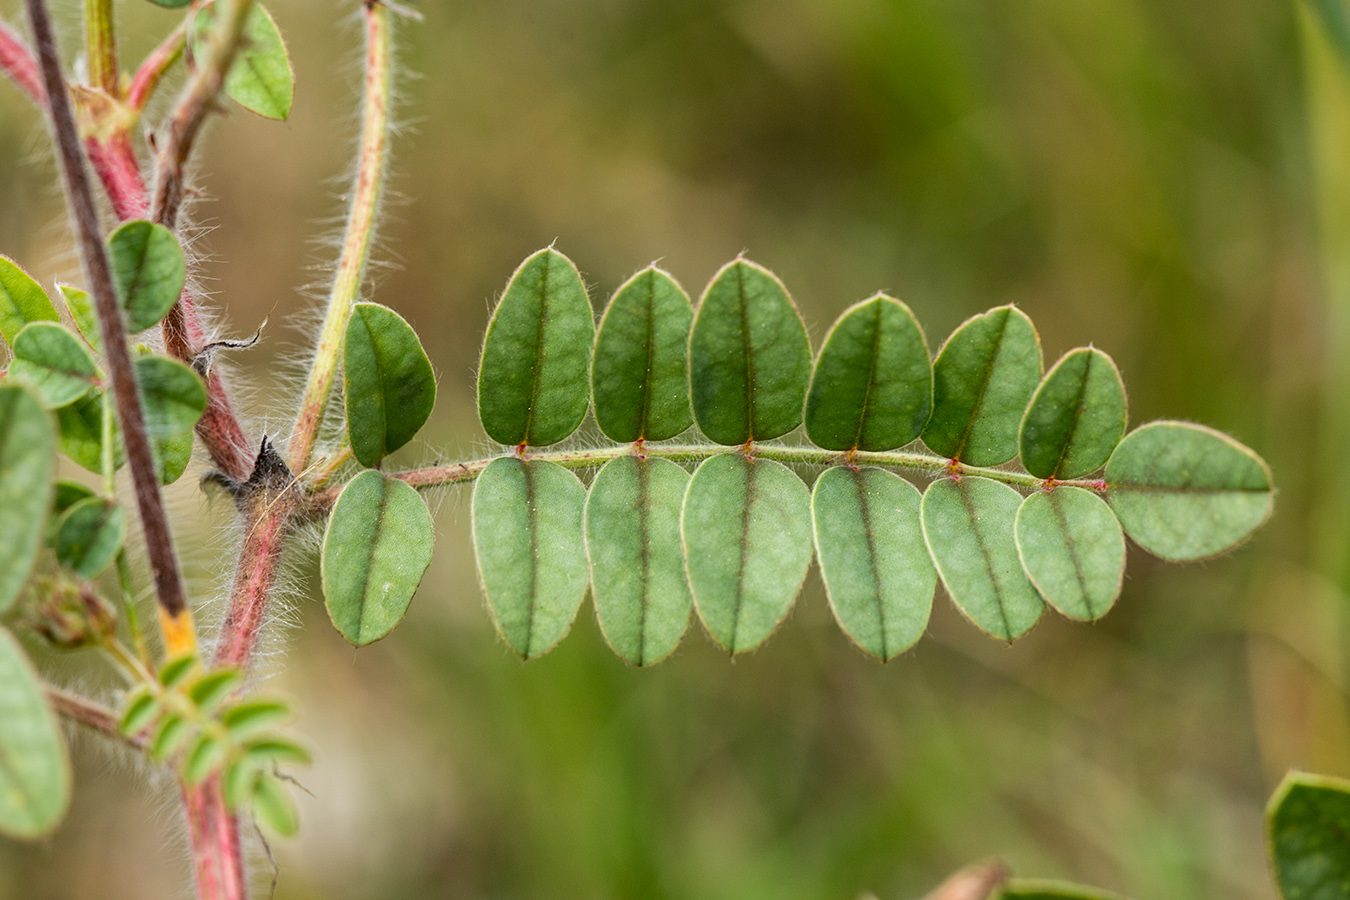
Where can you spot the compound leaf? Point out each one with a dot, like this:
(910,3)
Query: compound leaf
(1307,822)
(27,467)
(877,571)
(1073,550)
(1076,418)
(872,388)
(376,549)
(35,774)
(637,563)
(22,301)
(982,379)
(148,271)
(747,536)
(968,526)
(53,363)
(640,369)
(749,357)
(529,542)
(89,536)
(1186,492)
(388,382)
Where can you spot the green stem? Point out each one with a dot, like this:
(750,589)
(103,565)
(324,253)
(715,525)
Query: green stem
(356,242)
(106,456)
(100,43)
(454,473)
(132,613)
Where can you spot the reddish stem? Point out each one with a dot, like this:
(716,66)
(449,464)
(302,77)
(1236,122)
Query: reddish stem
(267,524)
(115,162)
(216,852)
(17,62)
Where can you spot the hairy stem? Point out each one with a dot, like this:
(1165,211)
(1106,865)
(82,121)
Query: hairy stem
(454,473)
(100,47)
(217,857)
(94,258)
(360,233)
(18,63)
(174,143)
(114,159)
(90,714)
(152,69)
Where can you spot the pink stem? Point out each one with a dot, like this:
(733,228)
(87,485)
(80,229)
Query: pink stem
(216,852)
(17,62)
(115,162)
(267,527)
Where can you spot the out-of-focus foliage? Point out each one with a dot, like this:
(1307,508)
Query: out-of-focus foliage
(1129,172)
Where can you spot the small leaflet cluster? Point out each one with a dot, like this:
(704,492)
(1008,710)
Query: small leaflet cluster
(189,716)
(733,540)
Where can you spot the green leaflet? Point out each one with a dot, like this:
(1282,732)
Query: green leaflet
(872,388)
(968,526)
(174,399)
(530,547)
(1307,822)
(1186,492)
(1076,417)
(1028,889)
(1336,22)
(27,466)
(261,79)
(66,495)
(749,357)
(53,363)
(148,271)
(171,4)
(34,770)
(81,307)
(89,536)
(1073,550)
(388,382)
(82,433)
(747,536)
(877,571)
(982,379)
(376,549)
(640,369)
(637,562)
(273,807)
(532,380)
(22,301)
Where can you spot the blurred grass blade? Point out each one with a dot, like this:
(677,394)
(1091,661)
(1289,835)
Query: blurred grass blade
(747,536)
(376,548)
(637,562)
(89,536)
(1076,417)
(53,363)
(640,370)
(1186,492)
(877,571)
(968,526)
(22,301)
(872,388)
(1035,889)
(1307,826)
(148,271)
(533,380)
(388,382)
(749,357)
(983,378)
(35,774)
(530,546)
(1073,550)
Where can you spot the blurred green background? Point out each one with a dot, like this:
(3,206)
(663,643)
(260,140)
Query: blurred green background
(1169,181)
